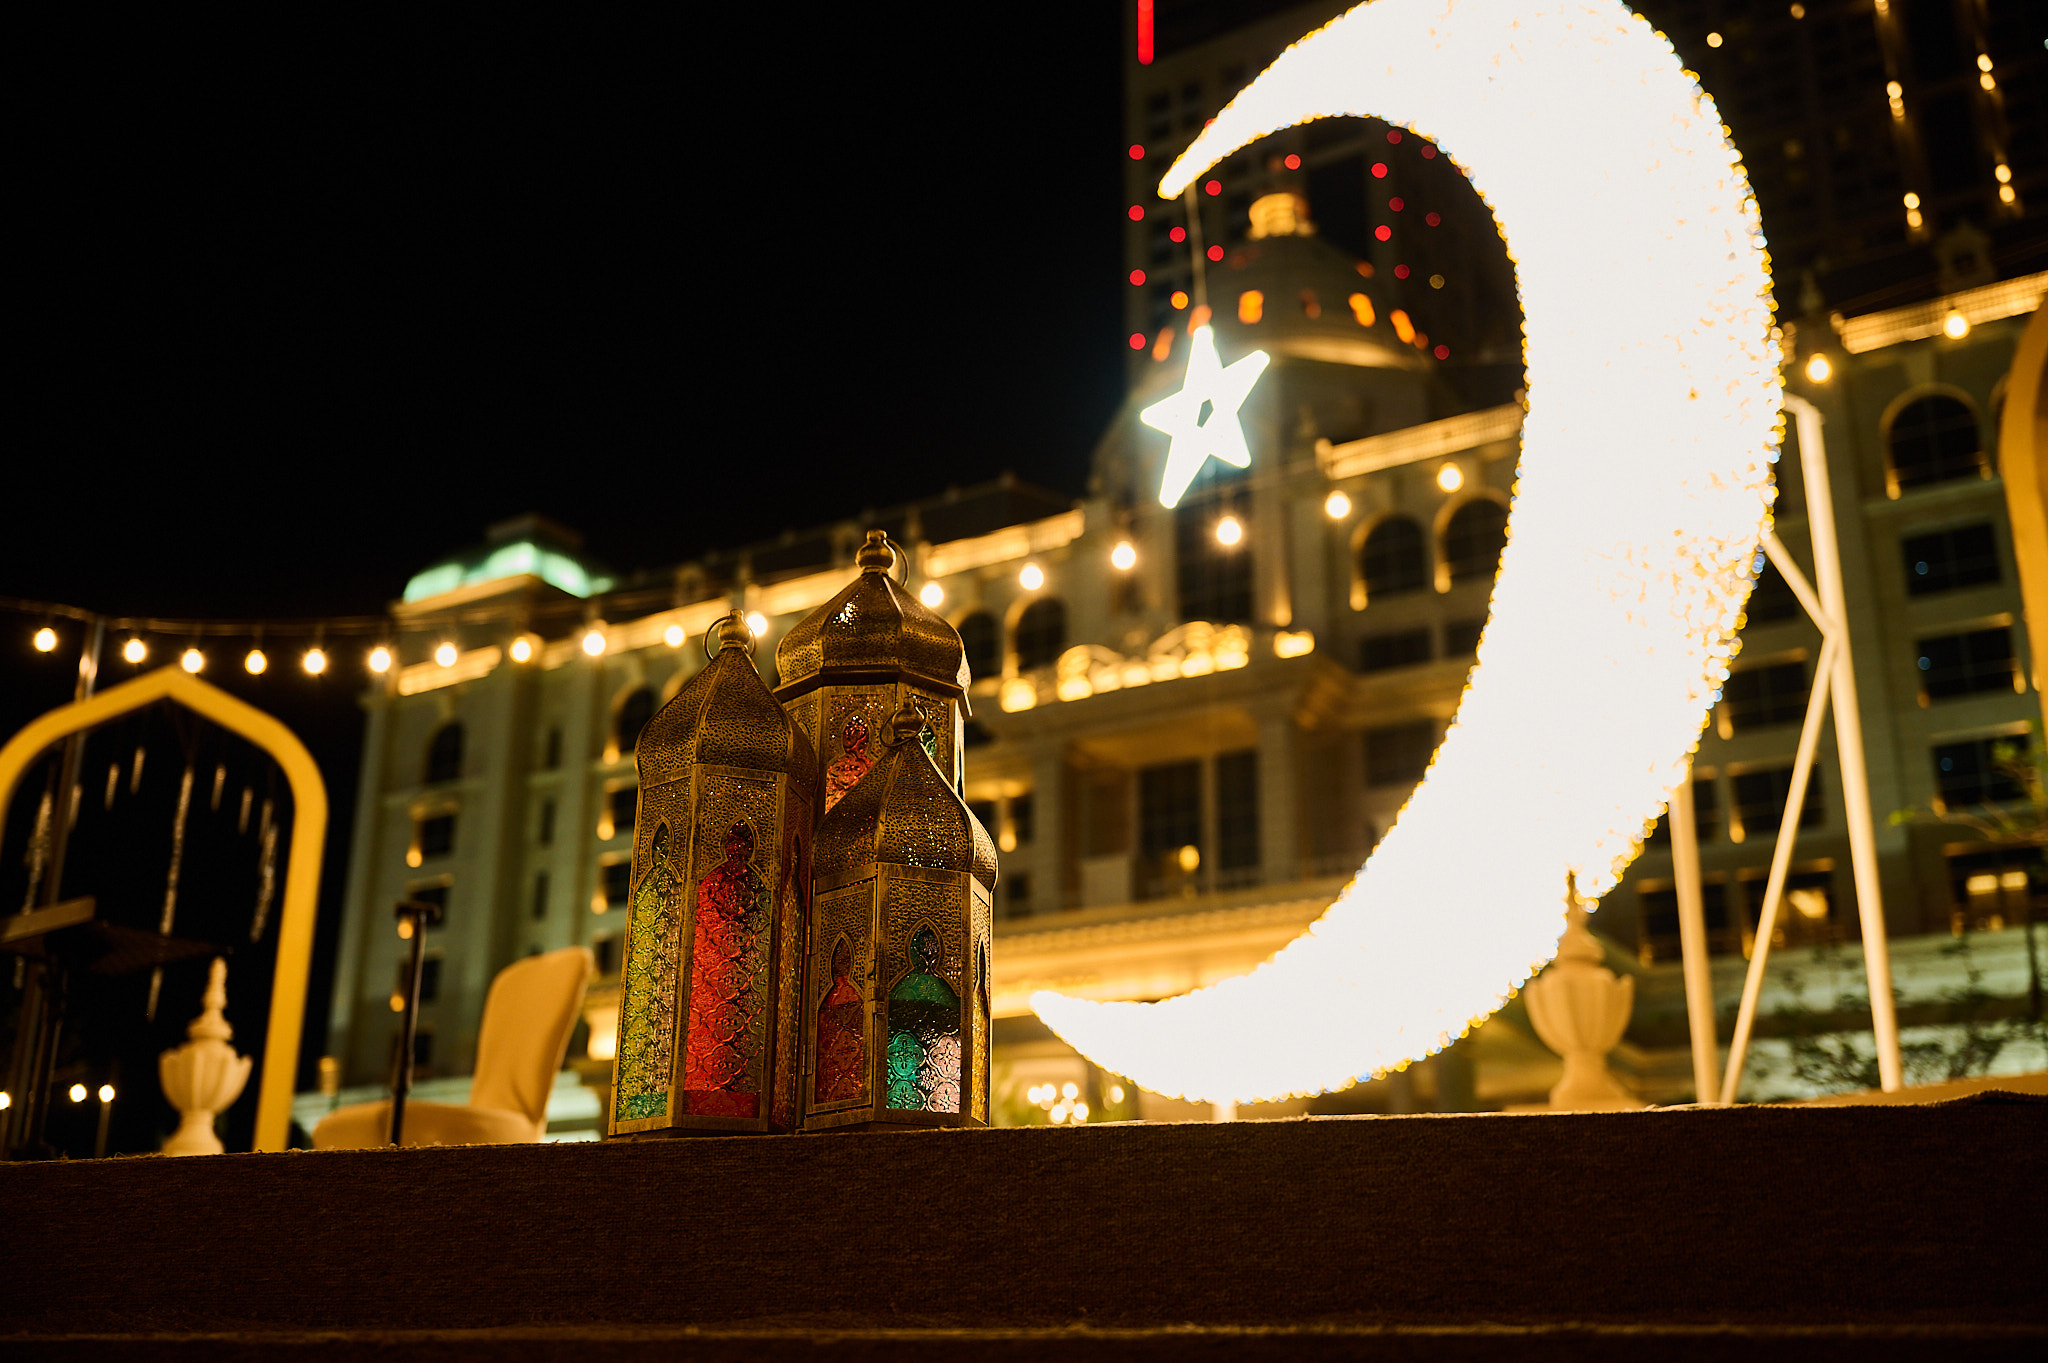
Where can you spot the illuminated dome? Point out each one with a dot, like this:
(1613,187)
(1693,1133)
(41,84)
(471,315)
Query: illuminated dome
(525,546)
(873,628)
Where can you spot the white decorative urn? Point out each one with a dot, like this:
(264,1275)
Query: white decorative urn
(203,1077)
(1580,1009)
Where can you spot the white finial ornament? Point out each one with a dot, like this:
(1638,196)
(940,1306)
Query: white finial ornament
(1198,435)
(203,1077)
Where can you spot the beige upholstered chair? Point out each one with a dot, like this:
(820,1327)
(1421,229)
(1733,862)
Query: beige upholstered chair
(528,1016)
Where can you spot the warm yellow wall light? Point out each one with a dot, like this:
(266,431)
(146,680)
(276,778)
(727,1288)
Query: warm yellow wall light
(1615,610)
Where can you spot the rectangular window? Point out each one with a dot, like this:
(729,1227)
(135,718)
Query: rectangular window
(430,977)
(1237,810)
(1660,917)
(1461,637)
(437,895)
(540,895)
(1398,754)
(437,835)
(1964,664)
(1706,815)
(1981,771)
(1771,599)
(624,806)
(546,833)
(1760,697)
(1385,652)
(1019,891)
(606,950)
(1948,559)
(1169,808)
(1022,817)
(617,881)
(553,758)
(1760,800)
(1997,889)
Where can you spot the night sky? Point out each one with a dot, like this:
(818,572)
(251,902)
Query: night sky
(304,302)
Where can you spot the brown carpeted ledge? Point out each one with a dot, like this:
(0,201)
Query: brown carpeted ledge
(1893,1225)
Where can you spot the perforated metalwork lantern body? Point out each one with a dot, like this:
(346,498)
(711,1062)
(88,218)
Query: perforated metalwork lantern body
(896,1019)
(847,666)
(712,980)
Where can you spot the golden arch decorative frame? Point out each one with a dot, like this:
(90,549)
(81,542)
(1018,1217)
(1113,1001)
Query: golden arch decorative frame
(302,866)
(2023,462)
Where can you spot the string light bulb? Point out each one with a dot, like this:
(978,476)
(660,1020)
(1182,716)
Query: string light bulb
(1337,505)
(46,639)
(522,649)
(106,1093)
(757,624)
(673,636)
(1818,367)
(1955,326)
(1031,578)
(1229,531)
(78,1093)
(1450,477)
(445,653)
(1614,615)
(256,662)
(315,661)
(932,594)
(1124,557)
(192,660)
(593,640)
(380,659)
(134,650)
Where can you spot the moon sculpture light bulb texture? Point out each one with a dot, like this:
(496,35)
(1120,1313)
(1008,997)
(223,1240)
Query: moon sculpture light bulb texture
(1643,490)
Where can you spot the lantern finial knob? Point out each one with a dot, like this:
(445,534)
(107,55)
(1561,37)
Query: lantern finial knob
(732,632)
(876,556)
(905,725)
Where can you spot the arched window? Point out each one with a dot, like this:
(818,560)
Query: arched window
(1477,532)
(983,641)
(1932,440)
(1394,558)
(444,754)
(634,712)
(1041,633)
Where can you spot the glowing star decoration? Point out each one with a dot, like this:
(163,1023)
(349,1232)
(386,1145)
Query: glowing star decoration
(1202,416)
(1644,486)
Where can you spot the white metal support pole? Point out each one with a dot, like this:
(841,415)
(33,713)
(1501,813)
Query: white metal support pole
(1692,940)
(1781,863)
(1827,573)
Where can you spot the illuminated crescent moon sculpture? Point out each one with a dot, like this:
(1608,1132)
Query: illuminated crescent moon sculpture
(1643,490)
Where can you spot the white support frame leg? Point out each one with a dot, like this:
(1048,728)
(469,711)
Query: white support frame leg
(1834,681)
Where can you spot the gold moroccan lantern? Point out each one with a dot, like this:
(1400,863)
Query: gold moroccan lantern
(708,1016)
(847,666)
(896,1021)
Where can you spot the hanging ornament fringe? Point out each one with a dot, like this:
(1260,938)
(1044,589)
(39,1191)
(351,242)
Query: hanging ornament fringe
(135,776)
(77,798)
(220,778)
(242,822)
(113,780)
(38,852)
(156,976)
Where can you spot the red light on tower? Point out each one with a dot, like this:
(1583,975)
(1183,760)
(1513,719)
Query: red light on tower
(1432,219)
(1379,170)
(1397,203)
(1177,234)
(1215,253)
(1400,272)
(1137,340)
(1137,152)
(1428,152)
(1137,276)
(1293,161)
(1442,352)
(1383,232)
(1144,32)
(1137,212)
(1213,188)
(1394,136)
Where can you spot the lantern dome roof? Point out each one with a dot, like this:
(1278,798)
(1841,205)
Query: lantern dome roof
(725,716)
(906,813)
(872,630)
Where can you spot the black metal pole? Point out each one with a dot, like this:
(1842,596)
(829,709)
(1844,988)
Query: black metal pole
(421,915)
